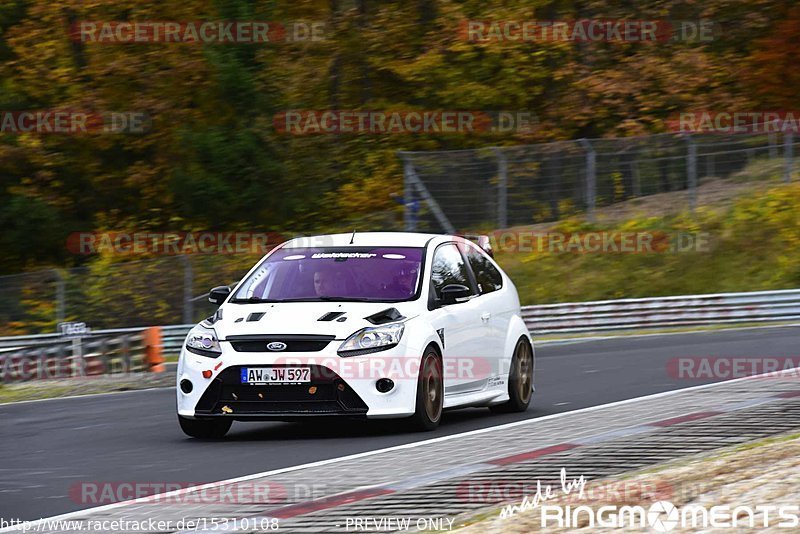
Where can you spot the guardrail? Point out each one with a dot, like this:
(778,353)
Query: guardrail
(115,351)
(172,337)
(664,312)
(66,358)
(123,348)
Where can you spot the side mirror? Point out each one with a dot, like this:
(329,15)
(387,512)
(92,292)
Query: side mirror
(452,293)
(218,295)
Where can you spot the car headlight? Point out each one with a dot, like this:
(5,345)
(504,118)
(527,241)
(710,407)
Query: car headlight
(372,339)
(203,341)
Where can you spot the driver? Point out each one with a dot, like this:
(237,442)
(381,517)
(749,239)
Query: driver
(327,284)
(404,282)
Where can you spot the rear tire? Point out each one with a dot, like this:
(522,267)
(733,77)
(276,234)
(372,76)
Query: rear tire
(205,428)
(520,380)
(430,392)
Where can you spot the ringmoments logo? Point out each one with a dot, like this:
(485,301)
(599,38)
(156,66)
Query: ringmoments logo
(664,516)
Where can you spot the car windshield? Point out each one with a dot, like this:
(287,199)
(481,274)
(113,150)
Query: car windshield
(379,274)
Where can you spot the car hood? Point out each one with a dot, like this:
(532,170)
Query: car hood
(303,317)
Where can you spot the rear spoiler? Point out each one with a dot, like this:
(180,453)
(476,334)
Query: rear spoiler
(482,241)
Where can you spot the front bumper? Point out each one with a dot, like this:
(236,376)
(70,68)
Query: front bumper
(339,386)
(326,394)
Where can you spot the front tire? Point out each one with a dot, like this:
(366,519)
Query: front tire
(205,428)
(430,392)
(520,380)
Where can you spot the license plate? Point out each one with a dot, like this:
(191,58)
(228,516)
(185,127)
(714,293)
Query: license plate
(276,375)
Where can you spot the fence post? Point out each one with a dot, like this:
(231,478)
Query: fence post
(409,217)
(502,188)
(691,171)
(635,178)
(188,280)
(60,297)
(591,178)
(410,175)
(788,148)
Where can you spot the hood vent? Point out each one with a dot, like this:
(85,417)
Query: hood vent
(255,316)
(389,315)
(330,316)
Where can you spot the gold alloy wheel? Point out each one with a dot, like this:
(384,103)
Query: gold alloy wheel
(432,387)
(524,371)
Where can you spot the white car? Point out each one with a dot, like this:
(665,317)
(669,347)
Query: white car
(370,325)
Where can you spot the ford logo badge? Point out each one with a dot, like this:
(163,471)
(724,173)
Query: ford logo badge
(276,346)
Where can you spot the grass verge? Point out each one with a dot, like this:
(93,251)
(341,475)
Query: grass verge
(751,245)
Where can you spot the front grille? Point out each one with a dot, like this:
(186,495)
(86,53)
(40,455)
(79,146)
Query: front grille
(294,343)
(332,396)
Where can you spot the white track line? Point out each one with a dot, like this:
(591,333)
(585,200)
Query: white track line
(71,515)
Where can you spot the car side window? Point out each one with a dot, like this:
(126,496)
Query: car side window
(488,277)
(448,267)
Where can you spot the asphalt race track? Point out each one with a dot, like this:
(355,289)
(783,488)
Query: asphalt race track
(49,446)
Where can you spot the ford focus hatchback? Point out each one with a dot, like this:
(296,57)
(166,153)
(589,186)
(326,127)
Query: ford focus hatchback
(371,325)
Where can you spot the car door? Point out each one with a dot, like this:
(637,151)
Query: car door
(493,307)
(459,325)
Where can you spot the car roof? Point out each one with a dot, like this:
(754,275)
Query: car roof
(364,239)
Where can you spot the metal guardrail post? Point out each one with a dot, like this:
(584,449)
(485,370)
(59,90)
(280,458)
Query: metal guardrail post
(188,281)
(78,362)
(125,354)
(691,171)
(788,149)
(502,188)
(591,178)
